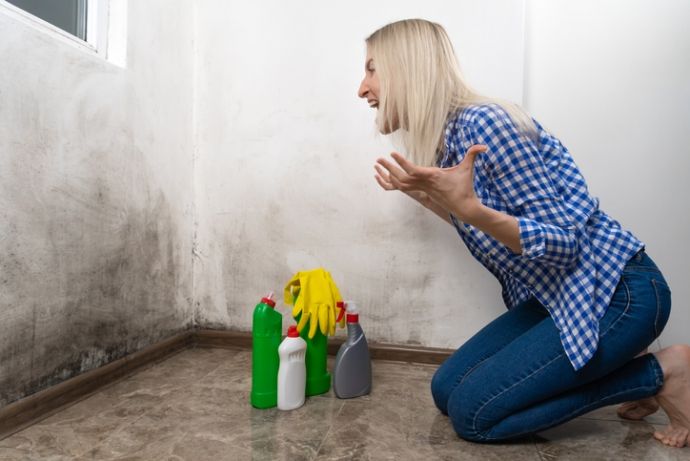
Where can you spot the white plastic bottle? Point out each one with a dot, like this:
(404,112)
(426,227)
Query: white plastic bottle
(292,373)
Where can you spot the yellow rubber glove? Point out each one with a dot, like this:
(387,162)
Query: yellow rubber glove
(317,296)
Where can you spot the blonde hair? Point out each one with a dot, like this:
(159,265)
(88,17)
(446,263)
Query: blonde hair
(421,85)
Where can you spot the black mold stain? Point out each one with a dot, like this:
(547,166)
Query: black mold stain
(116,277)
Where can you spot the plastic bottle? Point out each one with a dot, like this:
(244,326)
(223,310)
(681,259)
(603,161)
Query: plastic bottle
(318,377)
(292,374)
(267,329)
(352,370)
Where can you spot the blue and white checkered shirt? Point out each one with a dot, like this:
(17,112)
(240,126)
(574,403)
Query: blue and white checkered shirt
(573,253)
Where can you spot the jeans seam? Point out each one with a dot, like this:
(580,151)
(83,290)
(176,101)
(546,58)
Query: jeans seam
(658,309)
(633,269)
(467,373)
(569,415)
(658,372)
(625,311)
(472,368)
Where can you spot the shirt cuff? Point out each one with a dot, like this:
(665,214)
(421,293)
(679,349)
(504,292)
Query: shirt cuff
(551,244)
(531,238)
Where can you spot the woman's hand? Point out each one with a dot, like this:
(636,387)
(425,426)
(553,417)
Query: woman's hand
(450,188)
(383,178)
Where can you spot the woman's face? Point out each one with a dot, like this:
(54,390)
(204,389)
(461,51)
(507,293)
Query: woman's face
(369,90)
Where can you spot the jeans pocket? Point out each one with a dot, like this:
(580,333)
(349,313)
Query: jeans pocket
(663,305)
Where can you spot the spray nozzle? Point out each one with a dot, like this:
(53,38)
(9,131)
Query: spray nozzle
(352,312)
(351,307)
(269,300)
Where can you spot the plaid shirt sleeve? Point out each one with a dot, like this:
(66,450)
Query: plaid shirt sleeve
(518,173)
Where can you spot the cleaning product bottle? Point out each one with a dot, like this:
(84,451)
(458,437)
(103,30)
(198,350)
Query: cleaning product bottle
(292,374)
(352,370)
(313,294)
(267,328)
(318,377)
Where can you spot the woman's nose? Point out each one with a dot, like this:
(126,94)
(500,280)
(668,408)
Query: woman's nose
(363,89)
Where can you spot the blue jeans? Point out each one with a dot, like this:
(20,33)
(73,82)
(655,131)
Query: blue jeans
(513,378)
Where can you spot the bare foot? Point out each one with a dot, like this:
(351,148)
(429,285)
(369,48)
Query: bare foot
(638,409)
(674,396)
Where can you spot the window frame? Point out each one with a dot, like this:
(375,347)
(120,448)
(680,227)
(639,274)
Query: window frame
(96,25)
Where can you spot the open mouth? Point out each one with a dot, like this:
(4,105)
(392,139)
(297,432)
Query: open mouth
(374,104)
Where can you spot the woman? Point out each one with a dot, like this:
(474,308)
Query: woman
(584,298)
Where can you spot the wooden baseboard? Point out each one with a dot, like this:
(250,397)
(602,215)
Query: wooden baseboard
(379,351)
(222,339)
(29,410)
(22,413)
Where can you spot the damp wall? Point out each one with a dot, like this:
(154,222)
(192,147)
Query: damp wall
(285,178)
(96,195)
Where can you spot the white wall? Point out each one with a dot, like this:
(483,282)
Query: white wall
(285,149)
(285,165)
(96,196)
(612,80)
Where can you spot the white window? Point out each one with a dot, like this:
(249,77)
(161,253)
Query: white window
(82,21)
(68,15)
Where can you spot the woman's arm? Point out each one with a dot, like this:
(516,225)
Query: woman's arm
(547,227)
(452,189)
(500,226)
(429,204)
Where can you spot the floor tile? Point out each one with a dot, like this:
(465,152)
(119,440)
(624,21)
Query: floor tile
(399,421)
(248,433)
(609,414)
(605,440)
(195,406)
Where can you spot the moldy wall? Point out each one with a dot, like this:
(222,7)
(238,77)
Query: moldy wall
(96,196)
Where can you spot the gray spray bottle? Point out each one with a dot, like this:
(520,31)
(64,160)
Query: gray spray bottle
(352,371)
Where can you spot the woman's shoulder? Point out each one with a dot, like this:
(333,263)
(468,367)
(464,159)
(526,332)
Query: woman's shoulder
(489,116)
(463,126)
(477,123)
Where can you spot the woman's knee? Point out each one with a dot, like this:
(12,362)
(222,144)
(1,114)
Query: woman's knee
(449,375)
(446,378)
(441,389)
(460,405)
(469,410)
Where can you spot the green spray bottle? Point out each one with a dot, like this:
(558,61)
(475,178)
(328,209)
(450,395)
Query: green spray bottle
(267,328)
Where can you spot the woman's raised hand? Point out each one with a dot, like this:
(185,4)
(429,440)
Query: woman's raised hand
(383,178)
(451,188)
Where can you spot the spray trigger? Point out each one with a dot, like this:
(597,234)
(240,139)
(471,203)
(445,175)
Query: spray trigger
(342,306)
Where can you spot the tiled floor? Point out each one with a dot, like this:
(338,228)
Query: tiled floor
(194,406)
